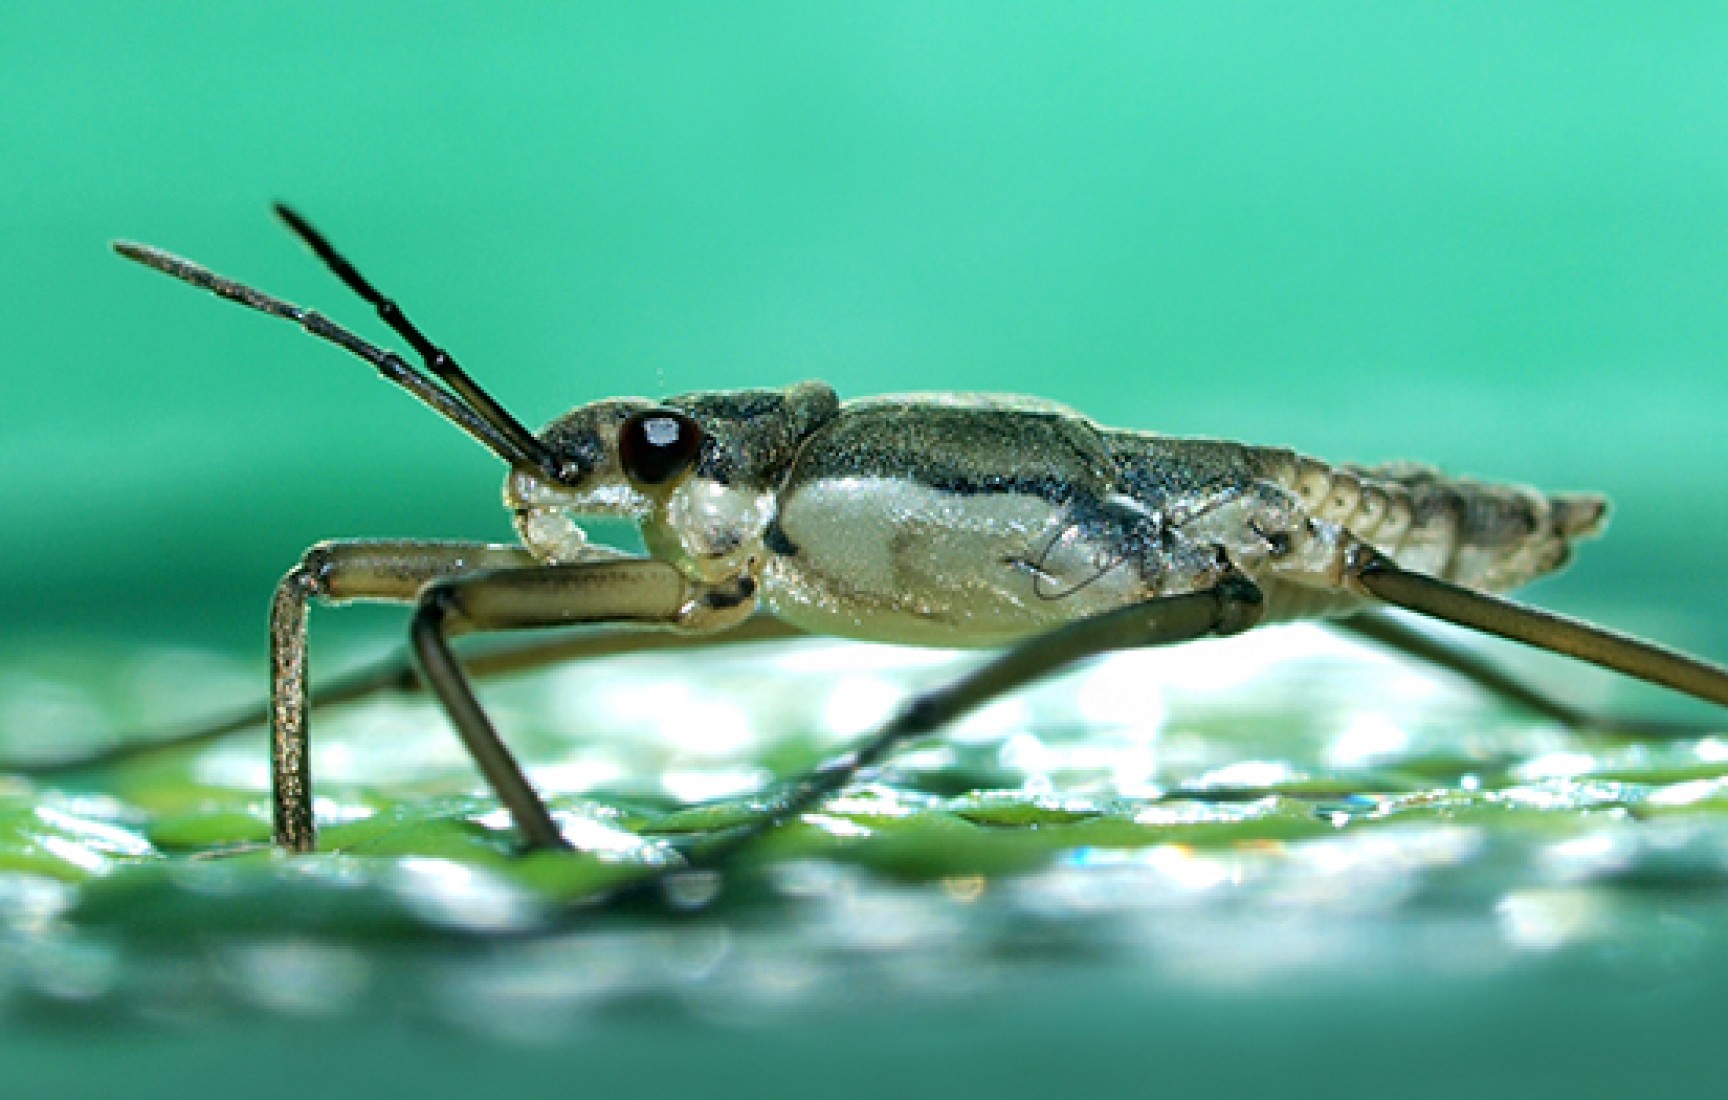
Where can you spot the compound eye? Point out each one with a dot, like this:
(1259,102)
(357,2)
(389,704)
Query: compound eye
(656,446)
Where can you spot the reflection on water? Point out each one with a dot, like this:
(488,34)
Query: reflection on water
(1285,804)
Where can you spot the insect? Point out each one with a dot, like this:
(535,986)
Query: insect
(947,519)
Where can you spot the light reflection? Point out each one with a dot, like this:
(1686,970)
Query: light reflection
(1564,795)
(589,834)
(299,978)
(880,801)
(1227,666)
(1558,765)
(1590,856)
(1188,869)
(533,993)
(68,851)
(580,774)
(928,758)
(823,656)
(681,714)
(72,970)
(110,838)
(331,812)
(30,902)
(1543,920)
(233,766)
(1248,775)
(709,728)
(161,680)
(1116,691)
(1002,717)
(85,809)
(1686,793)
(387,743)
(1134,770)
(685,715)
(692,955)
(1391,848)
(839,827)
(1252,907)
(964,889)
(859,703)
(1368,736)
(1219,666)
(1200,813)
(691,786)
(1712,750)
(885,921)
(815,878)
(448,894)
(43,719)
(600,838)
(1024,752)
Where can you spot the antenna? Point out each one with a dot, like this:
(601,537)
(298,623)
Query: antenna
(464,403)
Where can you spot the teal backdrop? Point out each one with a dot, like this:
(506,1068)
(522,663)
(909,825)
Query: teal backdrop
(1492,236)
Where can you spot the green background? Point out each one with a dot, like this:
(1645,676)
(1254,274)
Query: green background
(1488,235)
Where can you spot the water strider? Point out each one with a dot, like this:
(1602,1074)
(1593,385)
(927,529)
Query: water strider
(940,519)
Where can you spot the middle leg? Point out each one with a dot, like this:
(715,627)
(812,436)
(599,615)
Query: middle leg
(1231,607)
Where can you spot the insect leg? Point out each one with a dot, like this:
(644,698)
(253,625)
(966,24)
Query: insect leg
(1384,630)
(1230,608)
(646,593)
(1377,576)
(337,572)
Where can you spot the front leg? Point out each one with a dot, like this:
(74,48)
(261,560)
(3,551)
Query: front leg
(629,592)
(339,572)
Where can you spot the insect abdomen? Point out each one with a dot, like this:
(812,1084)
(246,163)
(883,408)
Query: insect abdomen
(1480,534)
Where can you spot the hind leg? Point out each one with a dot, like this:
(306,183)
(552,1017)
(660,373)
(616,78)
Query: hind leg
(1384,630)
(1373,574)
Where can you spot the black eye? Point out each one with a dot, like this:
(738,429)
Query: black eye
(656,446)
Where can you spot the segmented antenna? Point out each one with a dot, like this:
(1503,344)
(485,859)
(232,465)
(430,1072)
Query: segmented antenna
(464,403)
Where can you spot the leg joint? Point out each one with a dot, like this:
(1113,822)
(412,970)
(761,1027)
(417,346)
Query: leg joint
(1241,604)
(437,603)
(1361,563)
(315,567)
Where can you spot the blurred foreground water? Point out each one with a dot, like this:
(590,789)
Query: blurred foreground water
(1281,821)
